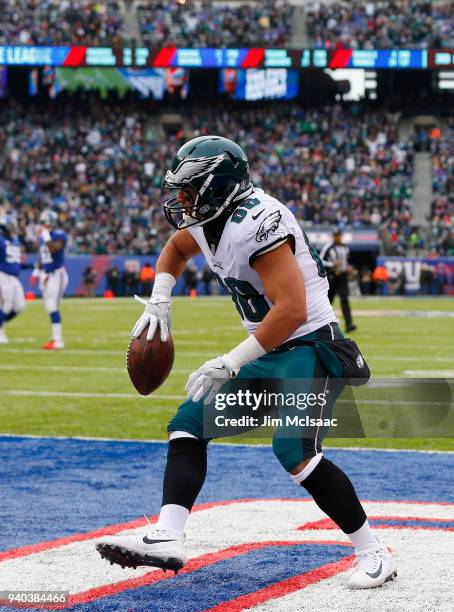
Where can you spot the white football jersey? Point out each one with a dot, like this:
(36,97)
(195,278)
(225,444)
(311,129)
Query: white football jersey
(259,225)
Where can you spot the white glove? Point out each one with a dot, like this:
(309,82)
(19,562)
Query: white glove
(157,313)
(209,378)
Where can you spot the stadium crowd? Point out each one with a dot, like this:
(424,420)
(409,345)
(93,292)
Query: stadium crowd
(60,22)
(206,24)
(441,224)
(189,23)
(385,24)
(328,165)
(98,166)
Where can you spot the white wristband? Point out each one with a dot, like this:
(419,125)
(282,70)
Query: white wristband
(163,285)
(246,351)
(45,235)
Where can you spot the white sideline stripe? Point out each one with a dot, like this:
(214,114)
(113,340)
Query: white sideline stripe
(134,396)
(431,373)
(27,393)
(449,358)
(402,313)
(95,352)
(217,443)
(81,368)
(391,402)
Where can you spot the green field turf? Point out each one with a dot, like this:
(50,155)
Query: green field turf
(85,390)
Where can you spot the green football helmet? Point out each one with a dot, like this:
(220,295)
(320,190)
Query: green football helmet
(217,170)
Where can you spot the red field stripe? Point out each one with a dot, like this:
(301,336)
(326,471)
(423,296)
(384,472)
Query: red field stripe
(407,501)
(192,566)
(327,523)
(201,562)
(279,589)
(116,528)
(23,551)
(324,523)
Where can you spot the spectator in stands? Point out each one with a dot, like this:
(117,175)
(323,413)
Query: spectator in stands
(442,214)
(60,22)
(267,23)
(385,24)
(100,167)
(147,274)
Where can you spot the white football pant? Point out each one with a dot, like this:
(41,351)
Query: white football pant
(12,297)
(53,285)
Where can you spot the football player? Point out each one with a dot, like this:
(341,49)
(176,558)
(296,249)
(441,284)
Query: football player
(258,252)
(12,300)
(52,274)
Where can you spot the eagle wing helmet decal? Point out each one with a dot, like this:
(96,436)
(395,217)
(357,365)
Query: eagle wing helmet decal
(189,169)
(268,226)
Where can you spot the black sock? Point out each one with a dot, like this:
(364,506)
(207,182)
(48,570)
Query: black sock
(333,493)
(185,471)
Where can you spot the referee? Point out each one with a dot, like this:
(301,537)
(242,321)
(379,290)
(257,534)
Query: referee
(335,259)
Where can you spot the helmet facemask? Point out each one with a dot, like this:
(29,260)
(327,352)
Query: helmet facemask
(210,199)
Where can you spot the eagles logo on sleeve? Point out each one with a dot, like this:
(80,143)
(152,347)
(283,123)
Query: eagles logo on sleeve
(268,226)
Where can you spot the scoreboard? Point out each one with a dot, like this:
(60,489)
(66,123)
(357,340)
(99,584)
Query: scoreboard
(177,57)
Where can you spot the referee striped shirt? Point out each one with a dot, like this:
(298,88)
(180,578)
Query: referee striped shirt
(331,253)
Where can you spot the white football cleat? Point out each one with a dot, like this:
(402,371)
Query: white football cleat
(374,567)
(156,548)
(3,337)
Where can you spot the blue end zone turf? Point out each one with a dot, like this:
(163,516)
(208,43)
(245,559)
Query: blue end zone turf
(51,488)
(253,571)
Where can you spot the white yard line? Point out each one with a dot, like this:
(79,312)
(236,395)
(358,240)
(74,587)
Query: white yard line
(448,358)
(80,368)
(69,351)
(217,443)
(133,396)
(42,393)
(431,373)
(95,352)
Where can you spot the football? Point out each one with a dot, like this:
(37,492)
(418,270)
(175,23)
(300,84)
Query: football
(149,362)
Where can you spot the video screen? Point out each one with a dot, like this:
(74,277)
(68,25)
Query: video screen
(266,84)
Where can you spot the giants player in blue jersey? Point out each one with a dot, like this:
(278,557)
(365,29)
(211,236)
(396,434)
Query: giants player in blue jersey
(12,300)
(52,274)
